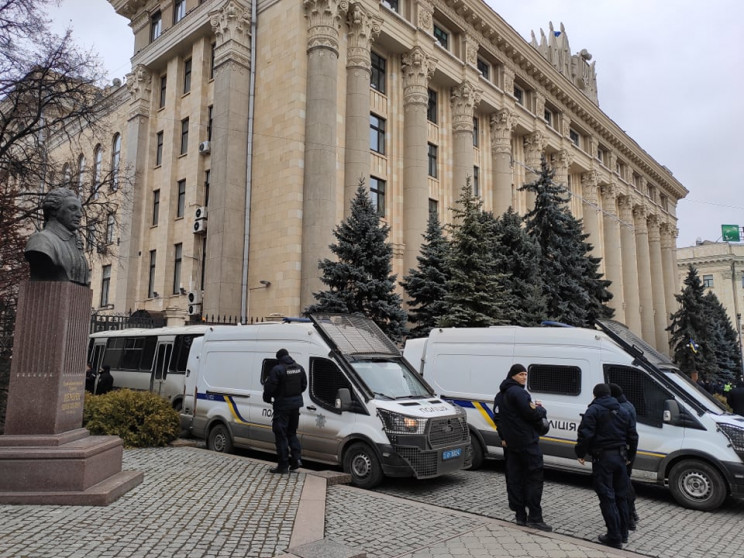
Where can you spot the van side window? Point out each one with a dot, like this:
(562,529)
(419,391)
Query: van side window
(550,378)
(325,381)
(266,367)
(114,351)
(646,395)
(130,360)
(148,353)
(180,356)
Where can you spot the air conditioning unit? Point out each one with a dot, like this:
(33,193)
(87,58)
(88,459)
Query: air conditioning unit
(204,147)
(200,212)
(194,309)
(194,297)
(200,226)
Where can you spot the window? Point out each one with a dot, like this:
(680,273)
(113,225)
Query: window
(81,173)
(573,136)
(377,194)
(548,116)
(433,207)
(441,36)
(475,131)
(476,181)
(377,134)
(431,110)
(110,225)
(184,136)
(209,122)
(211,61)
(377,78)
(646,395)
(159,149)
(115,160)
(97,169)
(105,283)
(179,10)
(181,200)
(156,25)
(664,202)
(181,353)
(325,381)
(187,76)
(708,281)
(151,279)
(484,68)
(177,268)
(155,207)
(163,88)
(551,378)
(433,151)
(519,94)
(392,4)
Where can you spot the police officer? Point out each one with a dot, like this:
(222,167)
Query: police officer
(518,418)
(287,380)
(617,392)
(607,433)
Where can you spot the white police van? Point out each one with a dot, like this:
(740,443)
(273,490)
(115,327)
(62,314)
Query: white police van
(365,408)
(688,442)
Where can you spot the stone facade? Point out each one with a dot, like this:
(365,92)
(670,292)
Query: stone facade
(286,107)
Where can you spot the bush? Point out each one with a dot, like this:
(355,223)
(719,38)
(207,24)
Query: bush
(140,418)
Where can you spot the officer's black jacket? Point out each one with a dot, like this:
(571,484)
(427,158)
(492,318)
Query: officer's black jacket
(285,389)
(606,425)
(517,415)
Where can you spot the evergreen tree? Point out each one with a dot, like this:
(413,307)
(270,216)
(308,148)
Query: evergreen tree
(427,285)
(360,281)
(575,291)
(725,339)
(692,349)
(518,259)
(475,297)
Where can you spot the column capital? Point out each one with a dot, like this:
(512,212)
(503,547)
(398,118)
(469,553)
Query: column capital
(502,125)
(535,142)
(139,85)
(418,69)
(563,158)
(668,235)
(464,97)
(363,30)
(640,211)
(425,13)
(609,193)
(324,19)
(589,185)
(231,24)
(653,225)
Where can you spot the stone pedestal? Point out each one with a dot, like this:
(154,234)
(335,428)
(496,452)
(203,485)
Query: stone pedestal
(45,455)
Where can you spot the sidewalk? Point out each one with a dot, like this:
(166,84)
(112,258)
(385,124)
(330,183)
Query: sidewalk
(195,503)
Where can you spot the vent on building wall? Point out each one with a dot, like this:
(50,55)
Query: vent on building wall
(205,147)
(200,226)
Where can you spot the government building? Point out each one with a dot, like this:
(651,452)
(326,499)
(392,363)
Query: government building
(246,128)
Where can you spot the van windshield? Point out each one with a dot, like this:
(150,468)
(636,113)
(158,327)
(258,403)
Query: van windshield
(683,380)
(390,378)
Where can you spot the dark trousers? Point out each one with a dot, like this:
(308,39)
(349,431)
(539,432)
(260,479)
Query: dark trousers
(631,495)
(284,425)
(610,479)
(524,481)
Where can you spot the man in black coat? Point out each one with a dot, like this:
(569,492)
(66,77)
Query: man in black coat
(617,392)
(518,418)
(105,381)
(607,433)
(287,380)
(735,398)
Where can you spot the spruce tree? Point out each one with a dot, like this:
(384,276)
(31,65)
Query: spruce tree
(725,339)
(691,347)
(426,286)
(518,259)
(360,280)
(575,291)
(475,297)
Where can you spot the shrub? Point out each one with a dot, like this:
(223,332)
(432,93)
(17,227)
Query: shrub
(140,418)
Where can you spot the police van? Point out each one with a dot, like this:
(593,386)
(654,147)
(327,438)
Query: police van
(366,409)
(688,442)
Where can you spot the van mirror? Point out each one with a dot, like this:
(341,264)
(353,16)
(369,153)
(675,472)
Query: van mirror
(343,400)
(671,411)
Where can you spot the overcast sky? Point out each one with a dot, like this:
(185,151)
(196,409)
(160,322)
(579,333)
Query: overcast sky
(669,73)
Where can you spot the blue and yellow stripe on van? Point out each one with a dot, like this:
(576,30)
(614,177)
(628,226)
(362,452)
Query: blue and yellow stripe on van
(220,397)
(479,406)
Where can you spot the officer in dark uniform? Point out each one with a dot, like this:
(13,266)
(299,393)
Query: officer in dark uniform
(607,433)
(617,392)
(518,418)
(287,380)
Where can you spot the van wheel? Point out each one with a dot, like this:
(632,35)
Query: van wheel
(697,485)
(361,462)
(219,439)
(476,451)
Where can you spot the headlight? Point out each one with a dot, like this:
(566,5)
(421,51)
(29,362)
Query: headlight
(395,423)
(735,434)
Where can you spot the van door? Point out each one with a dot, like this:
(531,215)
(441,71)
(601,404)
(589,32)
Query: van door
(160,366)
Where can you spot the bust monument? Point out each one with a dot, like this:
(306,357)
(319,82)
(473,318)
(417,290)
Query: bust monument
(55,253)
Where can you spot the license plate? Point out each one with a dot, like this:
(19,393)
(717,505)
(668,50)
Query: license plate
(451,454)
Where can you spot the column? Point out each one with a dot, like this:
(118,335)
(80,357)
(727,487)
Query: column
(657,283)
(463,98)
(590,206)
(669,263)
(612,250)
(417,70)
(648,329)
(139,84)
(502,125)
(363,29)
(630,266)
(561,162)
(534,144)
(324,19)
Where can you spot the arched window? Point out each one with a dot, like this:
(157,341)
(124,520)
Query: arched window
(97,160)
(81,174)
(115,161)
